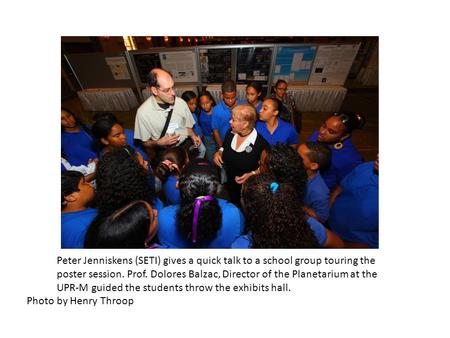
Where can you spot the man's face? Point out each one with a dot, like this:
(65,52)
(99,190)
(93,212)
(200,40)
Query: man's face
(165,92)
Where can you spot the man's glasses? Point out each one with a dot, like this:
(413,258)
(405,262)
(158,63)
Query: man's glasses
(166,90)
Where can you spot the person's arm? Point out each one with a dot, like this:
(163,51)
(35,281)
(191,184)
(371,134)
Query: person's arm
(197,141)
(333,240)
(333,195)
(311,213)
(242,179)
(218,158)
(217,138)
(162,142)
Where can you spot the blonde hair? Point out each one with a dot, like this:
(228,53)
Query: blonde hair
(246,113)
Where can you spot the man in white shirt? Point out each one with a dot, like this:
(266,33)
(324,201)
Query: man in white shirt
(152,115)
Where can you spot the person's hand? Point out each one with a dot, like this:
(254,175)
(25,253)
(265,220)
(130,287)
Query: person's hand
(167,140)
(197,141)
(218,159)
(242,179)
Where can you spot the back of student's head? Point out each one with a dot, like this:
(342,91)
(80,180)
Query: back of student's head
(286,165)
(274,216)
(228,86)
(172,161)
(198,186)
(121,180)
(318,153)
(129,227)
(69,184)
(351,120)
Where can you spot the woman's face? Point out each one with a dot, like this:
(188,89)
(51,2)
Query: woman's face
(267,110)
(332,130)
(116,137)
(281,91)
(236,123)
(206,103)
(192,104)
(67,120)
(252,95)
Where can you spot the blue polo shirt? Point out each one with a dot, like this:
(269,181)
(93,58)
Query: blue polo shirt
(196,126)
(231,228)
(354,214)
(317,196)
(246,241)
(78,148)
(343,161)
(205,121)
(130,141)
(171,192)
(221,118)
(283,133)
(74,226)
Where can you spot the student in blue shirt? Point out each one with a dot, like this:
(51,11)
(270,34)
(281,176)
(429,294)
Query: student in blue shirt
(316,156)
(207,104)
(173,160)
(274,219)
(201,220)
(354,207)
(336,133)
(77,143)
(286,166)
(76,196)
(132,227)
(253,93)
(109,133)
(222,112)
(272,128)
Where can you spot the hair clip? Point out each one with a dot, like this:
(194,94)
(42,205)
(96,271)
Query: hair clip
(126,149)
(274,187)
(198,203)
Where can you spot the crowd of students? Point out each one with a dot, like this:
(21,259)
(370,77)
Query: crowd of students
(255,185)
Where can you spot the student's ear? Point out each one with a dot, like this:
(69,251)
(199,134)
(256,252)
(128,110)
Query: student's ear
(276,112)
(177,185)
(314,166)
(72,197)
(104,141)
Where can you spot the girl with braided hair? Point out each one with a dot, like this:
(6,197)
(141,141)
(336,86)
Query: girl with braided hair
(201,220)
(274,219)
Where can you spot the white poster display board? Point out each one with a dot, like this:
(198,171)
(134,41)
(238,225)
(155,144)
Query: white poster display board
(182,65)
(332,64)
(118,66)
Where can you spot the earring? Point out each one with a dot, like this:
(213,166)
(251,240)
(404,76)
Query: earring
(338,145)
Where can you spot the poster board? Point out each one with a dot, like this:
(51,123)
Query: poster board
(293,63)
(215,64)
(144,63)
(253,64)
(182,65)
(332,64)
(102,70)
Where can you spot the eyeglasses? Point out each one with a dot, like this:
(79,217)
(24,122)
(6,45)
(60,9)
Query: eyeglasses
(281,89)
(166,90)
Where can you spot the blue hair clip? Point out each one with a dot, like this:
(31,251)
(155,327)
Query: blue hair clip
(274,187)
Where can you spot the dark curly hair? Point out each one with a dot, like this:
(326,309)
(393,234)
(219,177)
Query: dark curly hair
(127,227)
(121,180)
(199,180)
(286,165)
(273,215)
